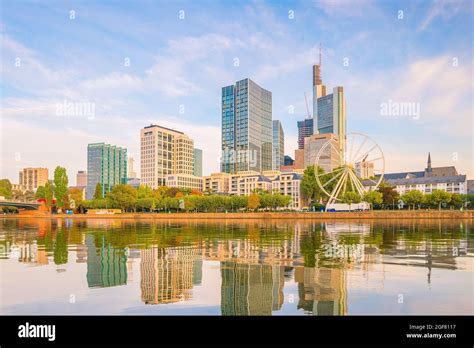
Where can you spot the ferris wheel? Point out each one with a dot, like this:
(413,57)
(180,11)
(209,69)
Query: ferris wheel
(341,167)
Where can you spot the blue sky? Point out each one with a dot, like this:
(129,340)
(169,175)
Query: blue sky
(181,64)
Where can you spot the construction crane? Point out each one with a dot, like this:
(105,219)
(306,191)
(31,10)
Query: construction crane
(308,115)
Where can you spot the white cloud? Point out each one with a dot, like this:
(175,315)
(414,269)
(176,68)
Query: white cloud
(445,9)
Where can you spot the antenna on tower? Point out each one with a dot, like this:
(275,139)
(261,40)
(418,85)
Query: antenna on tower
(320,55)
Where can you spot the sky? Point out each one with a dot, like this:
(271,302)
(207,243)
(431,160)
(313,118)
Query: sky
(124,65)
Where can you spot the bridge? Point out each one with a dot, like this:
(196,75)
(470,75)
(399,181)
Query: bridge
(20,205)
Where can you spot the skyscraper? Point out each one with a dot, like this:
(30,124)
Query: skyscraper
(332,115)
(278,145)
(246,127)
(107,165)
(197,169)
(164,151)
(305,129)
(329,110)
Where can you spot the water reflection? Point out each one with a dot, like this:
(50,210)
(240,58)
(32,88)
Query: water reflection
(265,267)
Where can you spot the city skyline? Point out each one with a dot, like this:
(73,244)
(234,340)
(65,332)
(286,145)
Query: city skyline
(147,79)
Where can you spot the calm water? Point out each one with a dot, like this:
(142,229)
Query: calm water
(102,266)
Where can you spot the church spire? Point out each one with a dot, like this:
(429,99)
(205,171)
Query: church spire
(429,163)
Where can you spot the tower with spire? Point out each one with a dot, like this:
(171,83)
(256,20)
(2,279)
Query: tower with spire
(428,169)
(319,90)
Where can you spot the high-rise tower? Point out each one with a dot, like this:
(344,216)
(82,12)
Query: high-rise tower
(246,127)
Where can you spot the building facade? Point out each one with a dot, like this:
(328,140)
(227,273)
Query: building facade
(106,165)
(330,157)
(81,178)
(278,156)
(305,129)
(246,127)
(164,151)
(246,182)
(184,181)
(131,174)
(197,170)
(432,178)
(31,178)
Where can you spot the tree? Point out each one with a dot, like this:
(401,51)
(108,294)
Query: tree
(438,197)
(48,195)
(413,198)
(350,197)
(253,201)
(40,192)
(18,195)
(123,197)
(144,191)
(389,195)
(76,195)
(98,191)
(60,187)
(373,198)
(29,196)
(6,188)
(456,200)
(309,185)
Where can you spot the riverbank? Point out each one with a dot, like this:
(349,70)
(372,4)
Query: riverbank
(375,214)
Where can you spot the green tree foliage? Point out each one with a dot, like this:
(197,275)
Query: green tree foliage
(48,194)
(439,197)
(350,197)
(413,198)
(389,195)
(40,192)
(60,187)
(123,197)
(98,191)
(6,188)
(374,198)
(456,200)
(309,185)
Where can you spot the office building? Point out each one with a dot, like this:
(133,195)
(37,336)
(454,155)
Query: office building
(217,183)
(184,181)
(197,170)
(305,129)
(329,159)
(131,174)
(81,178)
(32,178)
(106,165)
(163,152)
(246,182)
(278,145)
(289,184)
(246,127)
(364,170)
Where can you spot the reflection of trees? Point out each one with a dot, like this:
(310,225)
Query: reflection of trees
(60,248)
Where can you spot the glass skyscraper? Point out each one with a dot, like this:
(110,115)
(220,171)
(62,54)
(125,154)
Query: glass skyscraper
(107,165)
(197,164)
(305,129)
(246,127)
(278,145)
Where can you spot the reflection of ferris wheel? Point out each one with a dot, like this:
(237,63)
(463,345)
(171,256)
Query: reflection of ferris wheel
(345,166)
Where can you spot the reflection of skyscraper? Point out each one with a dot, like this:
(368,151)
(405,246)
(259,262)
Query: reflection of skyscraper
(106,266)
(251,289)
(168,275)
(322,291)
